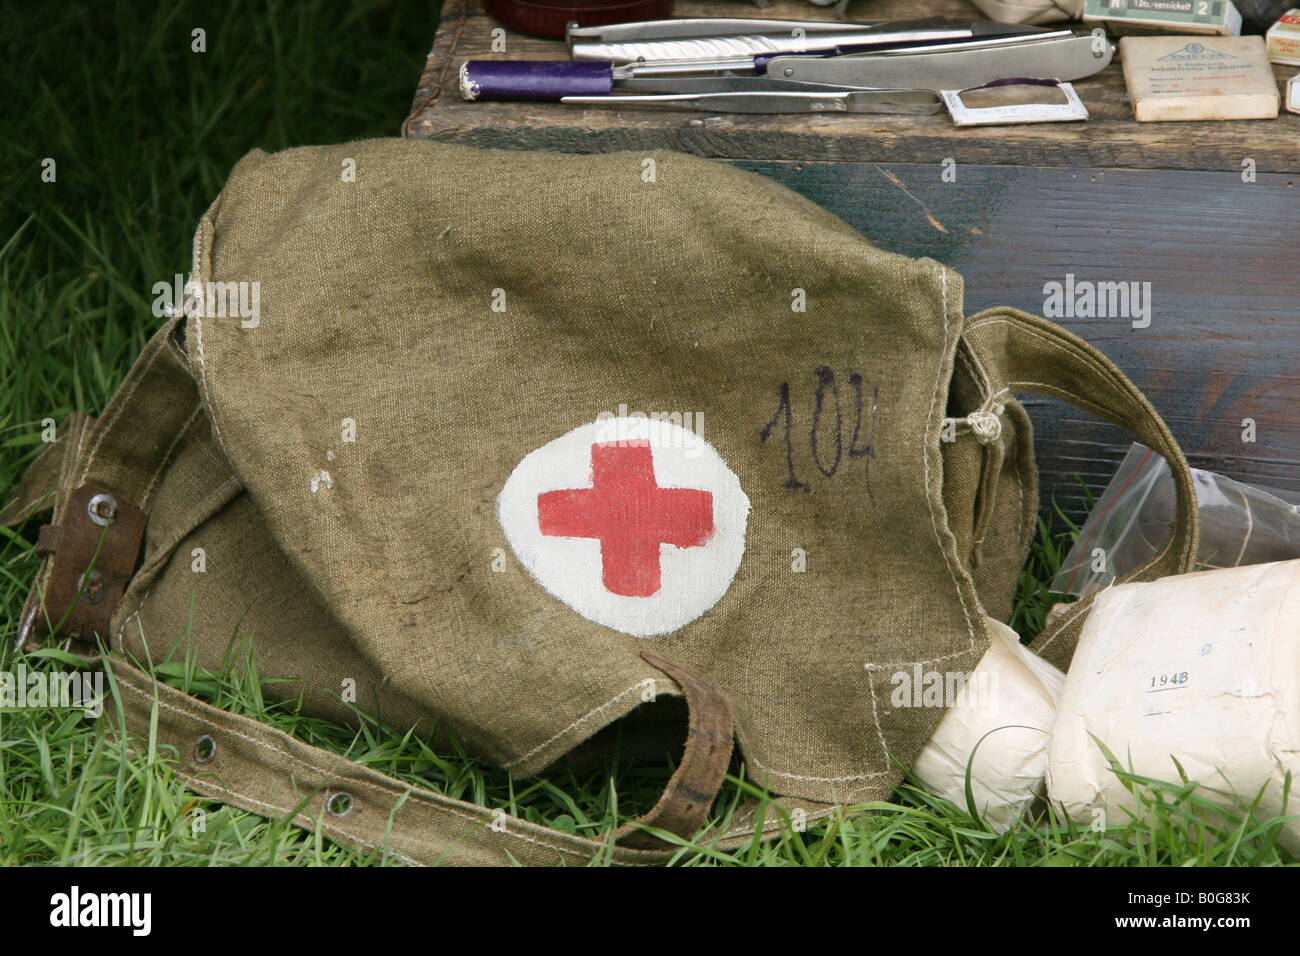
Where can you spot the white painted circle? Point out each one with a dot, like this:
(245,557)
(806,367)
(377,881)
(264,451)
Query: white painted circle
(609,579)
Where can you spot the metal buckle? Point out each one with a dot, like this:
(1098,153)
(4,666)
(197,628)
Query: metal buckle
(94,557)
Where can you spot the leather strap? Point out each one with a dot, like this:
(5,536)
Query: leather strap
(95,553)
(1019,352)
(98,478)
(693,787)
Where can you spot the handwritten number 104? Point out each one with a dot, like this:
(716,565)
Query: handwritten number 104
(826,401)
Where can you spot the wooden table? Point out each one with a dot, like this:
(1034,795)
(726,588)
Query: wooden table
(1207,213)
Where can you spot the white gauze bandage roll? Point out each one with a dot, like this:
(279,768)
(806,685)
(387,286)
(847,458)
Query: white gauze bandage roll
(1204,668)
(1008,703)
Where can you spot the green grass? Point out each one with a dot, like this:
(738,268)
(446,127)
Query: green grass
(144,132)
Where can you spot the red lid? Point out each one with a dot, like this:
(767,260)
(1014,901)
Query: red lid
(546,19)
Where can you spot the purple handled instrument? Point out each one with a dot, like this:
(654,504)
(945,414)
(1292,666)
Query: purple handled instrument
(913,56)
(604,56)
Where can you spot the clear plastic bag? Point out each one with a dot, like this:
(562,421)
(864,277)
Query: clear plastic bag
(1240,524)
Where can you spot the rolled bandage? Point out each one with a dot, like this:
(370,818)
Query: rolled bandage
(1200,668)
(1005,719)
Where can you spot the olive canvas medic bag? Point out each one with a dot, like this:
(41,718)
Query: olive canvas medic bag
(418,466)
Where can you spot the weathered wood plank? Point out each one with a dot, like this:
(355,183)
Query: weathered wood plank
(1112,138)
(1223,344)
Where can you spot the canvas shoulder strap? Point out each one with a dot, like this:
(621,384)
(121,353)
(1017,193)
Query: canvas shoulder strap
(1019,352)
(250,765)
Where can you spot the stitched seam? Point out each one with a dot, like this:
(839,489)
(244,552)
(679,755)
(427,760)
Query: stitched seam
(177,350)
(196,273)
(167,457)
(588,715)
(121,631)
(798,776)
(66,469)
(1019,482)
(70,467)
(771,824)
(884,746)
(877,665)
(925,463)
(1080,354)
(1020,498)
(979,378)
(979,373)
(107,426)
(991,479)
(203,384)
(1066,618)
(195,782)
(82,432)
(1063,393)
(875,715)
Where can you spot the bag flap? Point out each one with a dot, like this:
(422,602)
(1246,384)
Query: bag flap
(428,385)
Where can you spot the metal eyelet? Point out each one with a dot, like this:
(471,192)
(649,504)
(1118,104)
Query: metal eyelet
(338,803)
(91,587)
(205,749)
(102,509)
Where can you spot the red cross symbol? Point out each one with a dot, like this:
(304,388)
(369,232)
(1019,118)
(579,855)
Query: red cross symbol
(629,514)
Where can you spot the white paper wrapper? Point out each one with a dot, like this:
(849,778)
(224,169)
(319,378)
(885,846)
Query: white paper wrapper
(1031,11)
(1203,666)
(1013,689)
